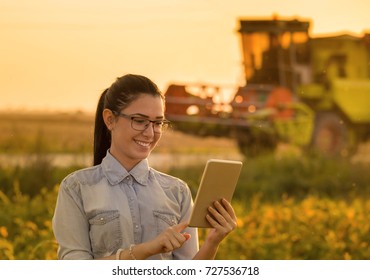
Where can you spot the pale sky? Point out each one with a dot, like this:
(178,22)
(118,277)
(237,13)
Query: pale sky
(60,55)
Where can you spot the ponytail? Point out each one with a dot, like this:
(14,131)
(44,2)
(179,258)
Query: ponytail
(101,133)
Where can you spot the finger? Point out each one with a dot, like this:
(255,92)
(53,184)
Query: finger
(223,217)
(225,208)
(180,227)
(176,233)
(186,235)
(179,237)
(212,221)
(217,216)
(173,241)
(231,212)
(229,216)
(176,243)
(220,208)
(177,240)
(219,222)
(166,245)
(172,238)
(228,208)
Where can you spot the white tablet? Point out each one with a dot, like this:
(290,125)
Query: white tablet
(218,181)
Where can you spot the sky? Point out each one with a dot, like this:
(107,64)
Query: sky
(60,55)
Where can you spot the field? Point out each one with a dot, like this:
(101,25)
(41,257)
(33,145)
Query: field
(73,133)
(289,206)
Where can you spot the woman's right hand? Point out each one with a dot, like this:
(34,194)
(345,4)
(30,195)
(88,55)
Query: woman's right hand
(169,240)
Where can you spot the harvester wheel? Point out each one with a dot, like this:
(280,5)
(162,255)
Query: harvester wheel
(330,136)
(253,143)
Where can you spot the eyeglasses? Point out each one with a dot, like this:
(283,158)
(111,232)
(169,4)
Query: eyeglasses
(142,123)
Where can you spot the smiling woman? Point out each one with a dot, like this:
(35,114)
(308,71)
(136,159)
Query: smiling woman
(130,146)
(125,99)
(121,208)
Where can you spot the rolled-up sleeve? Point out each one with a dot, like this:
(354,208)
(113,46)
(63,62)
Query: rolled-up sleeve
(70,225)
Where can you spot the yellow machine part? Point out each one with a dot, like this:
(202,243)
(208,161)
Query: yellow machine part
(353,98)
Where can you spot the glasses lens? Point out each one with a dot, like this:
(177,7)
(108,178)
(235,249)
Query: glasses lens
(141,124)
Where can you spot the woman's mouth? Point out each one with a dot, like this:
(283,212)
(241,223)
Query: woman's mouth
(143,144)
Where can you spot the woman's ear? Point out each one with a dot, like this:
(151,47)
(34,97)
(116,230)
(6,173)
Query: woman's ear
(108,118)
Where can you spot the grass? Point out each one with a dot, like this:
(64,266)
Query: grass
(46,132)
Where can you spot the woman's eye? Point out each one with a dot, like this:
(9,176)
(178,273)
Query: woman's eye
(140,121)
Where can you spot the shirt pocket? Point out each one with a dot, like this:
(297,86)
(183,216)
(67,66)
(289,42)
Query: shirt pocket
(105,232)
(164,220)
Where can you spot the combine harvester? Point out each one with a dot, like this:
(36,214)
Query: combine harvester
(312,92)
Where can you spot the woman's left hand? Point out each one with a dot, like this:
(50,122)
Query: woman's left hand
(223,220)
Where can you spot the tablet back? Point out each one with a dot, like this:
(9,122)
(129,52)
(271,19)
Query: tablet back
(218,181)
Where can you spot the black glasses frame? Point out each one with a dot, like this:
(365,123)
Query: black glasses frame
(163,124)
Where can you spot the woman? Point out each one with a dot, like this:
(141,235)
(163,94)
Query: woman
(121,208)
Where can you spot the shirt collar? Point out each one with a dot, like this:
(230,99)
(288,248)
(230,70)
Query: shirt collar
(115,172)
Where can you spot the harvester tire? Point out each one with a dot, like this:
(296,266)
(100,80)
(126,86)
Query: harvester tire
(330,136)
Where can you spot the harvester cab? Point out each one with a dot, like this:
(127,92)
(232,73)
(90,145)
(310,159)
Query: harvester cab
(276,57)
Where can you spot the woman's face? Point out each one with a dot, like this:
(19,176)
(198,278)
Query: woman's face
(128,145)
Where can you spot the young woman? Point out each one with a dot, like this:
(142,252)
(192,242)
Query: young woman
(121,208)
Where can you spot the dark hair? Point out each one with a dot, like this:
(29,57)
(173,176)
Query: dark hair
(121,93)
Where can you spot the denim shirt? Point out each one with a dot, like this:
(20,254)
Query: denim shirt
(103,208)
